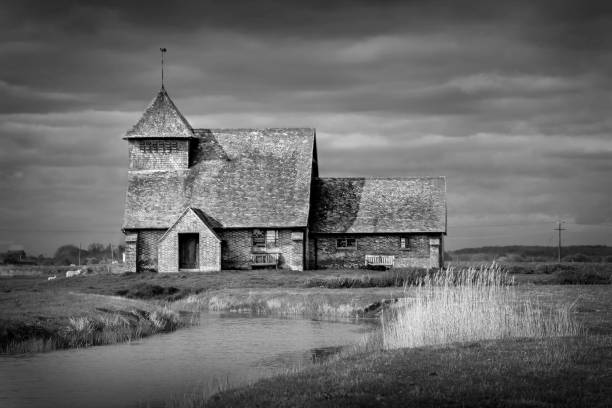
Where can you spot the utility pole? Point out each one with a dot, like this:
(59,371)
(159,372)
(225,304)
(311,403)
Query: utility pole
(559,246)
(79,254)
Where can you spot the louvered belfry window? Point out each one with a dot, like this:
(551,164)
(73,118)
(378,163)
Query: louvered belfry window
(158,146)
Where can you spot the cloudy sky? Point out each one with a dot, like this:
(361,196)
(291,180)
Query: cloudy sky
(511,101)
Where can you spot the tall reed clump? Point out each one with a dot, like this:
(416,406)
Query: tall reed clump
(471,304)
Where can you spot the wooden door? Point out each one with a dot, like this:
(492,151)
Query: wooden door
(188,251)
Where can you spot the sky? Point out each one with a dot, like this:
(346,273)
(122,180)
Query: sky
(511,101)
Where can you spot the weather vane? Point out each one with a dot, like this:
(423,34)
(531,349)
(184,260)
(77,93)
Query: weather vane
(163,50)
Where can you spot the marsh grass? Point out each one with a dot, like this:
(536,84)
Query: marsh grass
(106,327)
(391,278)
(471,304)
(284,305)
(315,303)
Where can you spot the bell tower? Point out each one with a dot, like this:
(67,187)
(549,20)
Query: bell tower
(161,139)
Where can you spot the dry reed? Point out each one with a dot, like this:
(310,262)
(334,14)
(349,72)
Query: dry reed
(471,304)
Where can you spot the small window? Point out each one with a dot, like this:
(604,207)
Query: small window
(271,238)
(259,238)
(265,238)
(408,243)
(346,243)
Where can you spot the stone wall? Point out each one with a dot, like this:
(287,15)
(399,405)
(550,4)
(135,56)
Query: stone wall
(146,249)
(130,252)
(154,154)
(420,254)
(209,246)
(237,249)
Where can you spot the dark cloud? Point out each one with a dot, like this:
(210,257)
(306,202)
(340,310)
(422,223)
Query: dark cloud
(509,100)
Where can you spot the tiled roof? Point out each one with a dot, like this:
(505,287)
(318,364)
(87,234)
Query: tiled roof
(198,213)
(379,205)
(238,178)
(161,119)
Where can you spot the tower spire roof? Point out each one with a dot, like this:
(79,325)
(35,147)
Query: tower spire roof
(161,119)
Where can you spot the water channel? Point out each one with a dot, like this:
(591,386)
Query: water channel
(234,349)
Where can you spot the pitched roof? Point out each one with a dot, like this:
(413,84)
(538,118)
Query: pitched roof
(239,178)
(198,213)
(386,205)
(161,119)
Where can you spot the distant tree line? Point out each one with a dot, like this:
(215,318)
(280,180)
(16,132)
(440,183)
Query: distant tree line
(520,253)
(95,253)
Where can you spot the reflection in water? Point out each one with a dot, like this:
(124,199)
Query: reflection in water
(228,349)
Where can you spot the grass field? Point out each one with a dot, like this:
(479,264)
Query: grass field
(35,314)
(455,370)
(559,372)
(464,338)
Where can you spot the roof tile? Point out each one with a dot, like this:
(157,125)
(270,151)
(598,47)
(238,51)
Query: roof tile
(161,119)
(379,205)
(239,178)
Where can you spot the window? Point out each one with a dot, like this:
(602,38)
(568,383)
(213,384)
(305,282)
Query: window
(265,238)
(158,146)
(412,243)
(346,243)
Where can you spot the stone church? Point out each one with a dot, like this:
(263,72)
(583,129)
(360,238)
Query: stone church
(212,199)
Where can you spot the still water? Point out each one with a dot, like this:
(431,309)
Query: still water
(233,349)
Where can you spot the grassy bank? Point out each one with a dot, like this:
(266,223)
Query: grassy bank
(313,302)
(458,337)
(50,320)
(43,313)
(560,372)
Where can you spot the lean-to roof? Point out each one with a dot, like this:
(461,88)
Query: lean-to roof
(379,205)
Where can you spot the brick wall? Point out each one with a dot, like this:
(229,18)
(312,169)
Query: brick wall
(146,249)
(237,249)
(421,253)
(163,154)
(311,254)
(209,246)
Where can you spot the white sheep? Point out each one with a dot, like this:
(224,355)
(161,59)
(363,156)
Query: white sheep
(51,277)
(70,274)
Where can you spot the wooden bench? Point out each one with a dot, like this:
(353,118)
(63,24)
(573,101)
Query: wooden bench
(264,260)
(380,260)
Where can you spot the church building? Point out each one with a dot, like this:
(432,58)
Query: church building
(211,199)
